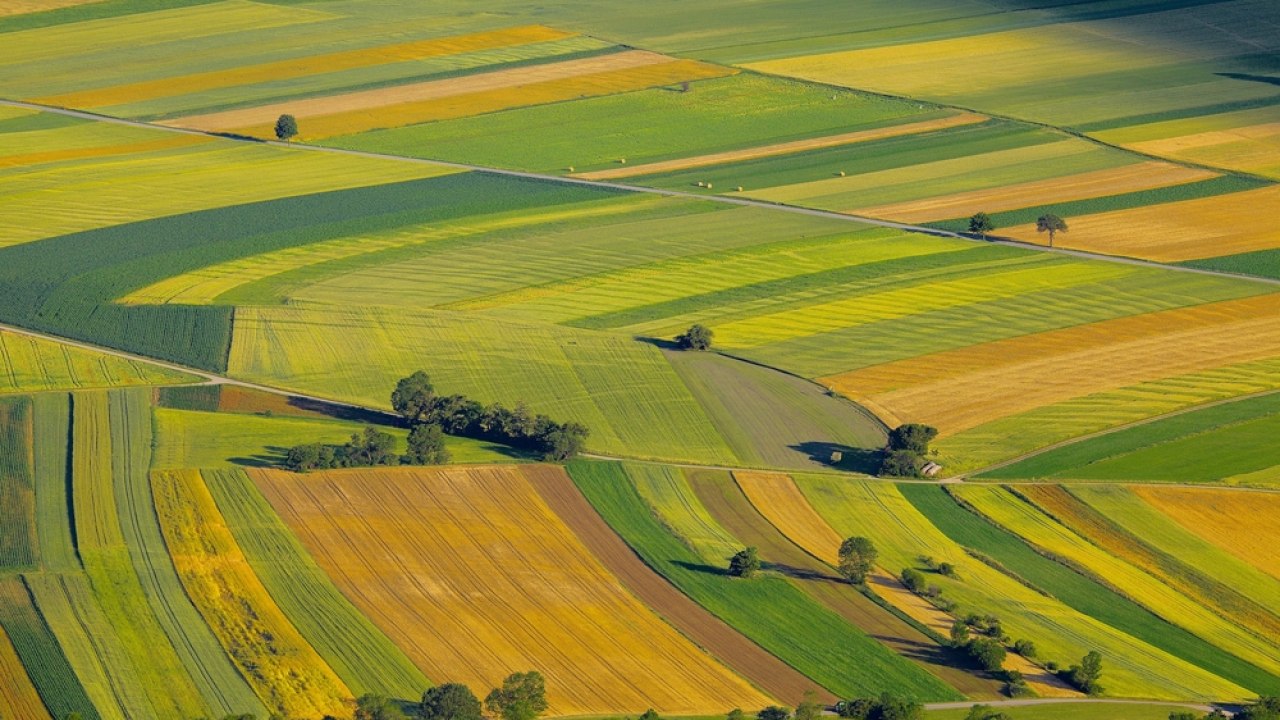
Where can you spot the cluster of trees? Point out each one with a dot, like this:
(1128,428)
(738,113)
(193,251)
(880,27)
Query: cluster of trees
(1266,708)
(904,455)
(522,696)
(885,707)
(415,400)
(697,337)
(365,449)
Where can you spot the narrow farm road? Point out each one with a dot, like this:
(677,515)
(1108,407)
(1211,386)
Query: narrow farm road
(723,199)
(1027,702)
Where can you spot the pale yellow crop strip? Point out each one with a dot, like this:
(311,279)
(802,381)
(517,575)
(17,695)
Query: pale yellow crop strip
(1021,518)
(786,148)
(283,669)
(469,572)
(1173,232)
(303,66)
(365,100)
(50,156)
(1099,183)
(1241,523)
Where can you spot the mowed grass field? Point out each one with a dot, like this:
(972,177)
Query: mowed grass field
(474,625)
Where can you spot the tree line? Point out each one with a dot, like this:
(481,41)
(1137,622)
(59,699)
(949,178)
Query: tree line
(430,417)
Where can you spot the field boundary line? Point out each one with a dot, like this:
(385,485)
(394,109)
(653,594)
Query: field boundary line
(722,199)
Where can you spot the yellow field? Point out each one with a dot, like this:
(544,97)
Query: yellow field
(473,576)
(1174,232)
(1242,523)
(18,698)
(786,148)
(29,364)
(161,26)
(1099,183)
(1007,511)
(57,199)
(902,534)
(102,151)
(917,181)
(21,7)
(303,66)
(971,64)
(286,672)
(460,96)
(889,304)
(961,389)
(1247,140)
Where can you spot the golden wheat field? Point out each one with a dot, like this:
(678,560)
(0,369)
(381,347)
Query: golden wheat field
(283,669)
(1241,522)
(1098,183)
(960,389)
(303,66)
(473,576)
(1174,232)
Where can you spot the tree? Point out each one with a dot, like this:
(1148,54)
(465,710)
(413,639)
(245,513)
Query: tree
(523,696)
(1085,675)
(809,708)
(988,653)
(426,446)
(736,714)
(912,437)
(774,712)
(1025,648)
(857,557)
(980,224)
(959,633)
(946,569)
(369,448)
(377,707)
(302,458)
(985,712)
(650,714)
(564,442)
(413,397)
(450,701)
(1051,224)
(697,337)
(914,580)
(901,463)
(1266,708)
(745,563)
(286,127)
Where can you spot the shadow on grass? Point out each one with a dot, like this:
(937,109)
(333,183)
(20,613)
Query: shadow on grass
(274,457)
(859,460)
(703,568)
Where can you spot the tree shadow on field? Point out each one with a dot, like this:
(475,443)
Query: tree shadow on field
(274,457)
(702,568)
(339,411)
(858,460)
(1267,79)
(659,343)
(797,573)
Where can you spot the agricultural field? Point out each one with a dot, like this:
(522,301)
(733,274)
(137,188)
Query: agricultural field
(29,364)
(559,597)
(1251,537)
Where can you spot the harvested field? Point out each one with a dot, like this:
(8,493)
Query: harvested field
(964,388)
(1111,181)
(761,668)
(286,673)
(1247,140)
(1241,523)
(379,532)
(301,66)
(729,506)
(785,148)
(408,104)
(18,697)
(1174,232)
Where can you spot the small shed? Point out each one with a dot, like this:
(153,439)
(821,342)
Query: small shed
(930,469)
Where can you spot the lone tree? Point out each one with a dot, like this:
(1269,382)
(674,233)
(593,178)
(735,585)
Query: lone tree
(286,127)
(697,337)
(523,696)
(1051,224)
(980,224)
(857,556)
(1086,674)
(450,701)
(745,563)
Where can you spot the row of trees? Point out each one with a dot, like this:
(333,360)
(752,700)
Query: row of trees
(415,399)
(369,448)
(982,225)
(522,696)
(1266,708)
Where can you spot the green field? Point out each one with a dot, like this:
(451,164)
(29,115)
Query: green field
(55,679)
(769,610)
(1197,446)
(1082,592)
(18,544)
